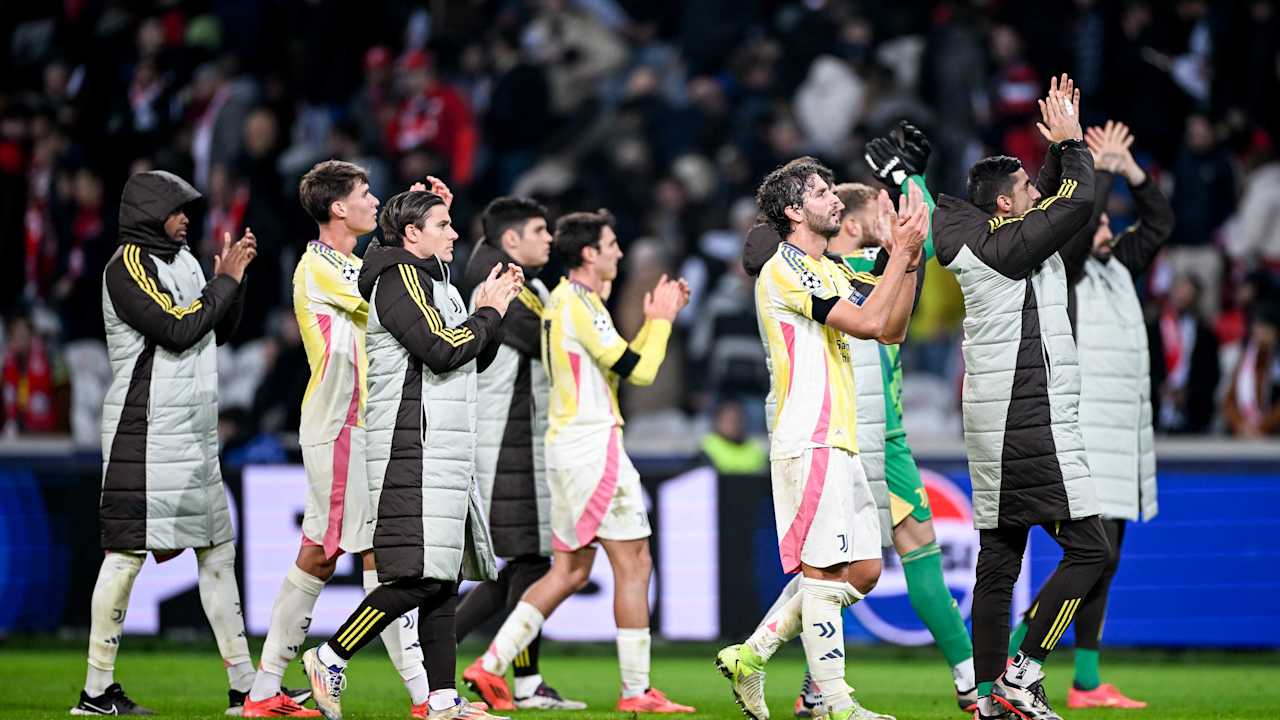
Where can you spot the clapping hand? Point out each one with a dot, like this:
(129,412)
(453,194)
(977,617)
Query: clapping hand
(1060,111)
(235,257)
(1109,145)
(502,286)
(667,299)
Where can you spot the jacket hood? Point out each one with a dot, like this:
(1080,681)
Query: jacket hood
(483,257)
(380,258)
(148,200)
(761,243)
(958,216)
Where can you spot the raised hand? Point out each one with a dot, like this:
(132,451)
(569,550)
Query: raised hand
(1060,111)
(499,289)
(667,299)
(438,187)
(886,218)
(914,146)
(1109,146)
(912,226)
(235,257)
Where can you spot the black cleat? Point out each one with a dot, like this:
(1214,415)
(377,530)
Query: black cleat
(236,699)
(111,702)
(1023,703)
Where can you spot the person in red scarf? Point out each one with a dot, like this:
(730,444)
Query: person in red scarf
(1184,362)
(28,381)
(1252,404)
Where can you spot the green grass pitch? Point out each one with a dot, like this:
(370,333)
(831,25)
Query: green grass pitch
(914,685)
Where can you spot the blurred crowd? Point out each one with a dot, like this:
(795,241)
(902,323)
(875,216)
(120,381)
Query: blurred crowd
(668,114)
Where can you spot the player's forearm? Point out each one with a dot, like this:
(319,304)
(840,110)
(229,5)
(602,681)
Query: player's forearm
(650,349)
(900,315)
(918,181)
(870,320)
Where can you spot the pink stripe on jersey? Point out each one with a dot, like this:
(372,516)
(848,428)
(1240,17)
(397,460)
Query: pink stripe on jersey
(793,542)
(598,505)
(353,410)
(325,322)
(575,364)
(338,492)
(824,414)
(789,338)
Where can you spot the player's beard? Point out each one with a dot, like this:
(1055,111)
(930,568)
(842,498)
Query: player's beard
(821,225)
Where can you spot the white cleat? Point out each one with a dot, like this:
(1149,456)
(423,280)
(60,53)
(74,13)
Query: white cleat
(327,685)
(546,698)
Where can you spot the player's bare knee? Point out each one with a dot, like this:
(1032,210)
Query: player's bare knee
(316,564)
(864,574)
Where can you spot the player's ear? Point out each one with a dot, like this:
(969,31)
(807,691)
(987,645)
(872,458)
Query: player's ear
(1004,203)
(510,239)
(794,213)
(338,209)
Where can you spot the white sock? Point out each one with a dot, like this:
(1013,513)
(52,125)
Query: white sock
(240,676)
(106,617)
(443,699)
(220,596)
(780,624)
(329,658)
(400,638)
(633,660)
(962,673)
(987,706)
(823,636)
(527,685)
(1024,671)
(290,618)
(519,629)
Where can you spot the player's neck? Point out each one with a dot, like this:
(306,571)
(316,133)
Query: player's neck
(339,238)
(813,244)
(843,244)
(587,278)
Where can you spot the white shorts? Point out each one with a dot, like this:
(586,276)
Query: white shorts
(338,517)
(600,498)
(824,510)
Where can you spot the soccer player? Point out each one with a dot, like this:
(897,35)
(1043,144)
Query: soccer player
(429,529)
(511,427)
(1021,388)
(161,481)
(827,523)
(595,491)
(331,317)
(1115,387)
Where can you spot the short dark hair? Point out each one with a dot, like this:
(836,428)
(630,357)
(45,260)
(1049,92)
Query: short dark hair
(855,196)
(505,213)
(785,187)
(990,178)
(326,183)
(579,230)
(407,208)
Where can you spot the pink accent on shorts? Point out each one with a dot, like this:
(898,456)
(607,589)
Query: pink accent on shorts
(593,514)
(338,492)
(773,627)
(793,542)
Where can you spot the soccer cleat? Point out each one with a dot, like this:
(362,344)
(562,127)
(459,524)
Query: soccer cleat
(861,713)
(1105,695)
(327,685)
(652,701)
(490,687)
(237,701)
(809,701)
(279,705)
(1002,715)
(1027,703)
(967,699)
(112,701)
(745,674)
(463,710)
(546,698)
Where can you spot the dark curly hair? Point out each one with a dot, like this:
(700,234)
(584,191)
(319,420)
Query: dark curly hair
(785,187)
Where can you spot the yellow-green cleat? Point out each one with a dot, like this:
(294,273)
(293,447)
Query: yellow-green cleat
(745,672)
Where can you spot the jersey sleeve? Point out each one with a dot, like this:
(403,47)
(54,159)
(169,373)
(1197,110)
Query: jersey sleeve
(797,289)
(593,329)
(918,180)
(328,287)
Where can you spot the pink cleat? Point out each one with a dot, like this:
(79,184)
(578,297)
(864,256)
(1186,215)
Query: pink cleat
(1105,695)
(652,701)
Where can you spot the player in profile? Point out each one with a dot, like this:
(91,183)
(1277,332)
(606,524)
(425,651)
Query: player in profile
(595,491)
(1027,460)
(331,318)
(160,428)
(429,529)
(510,432)
(827,519)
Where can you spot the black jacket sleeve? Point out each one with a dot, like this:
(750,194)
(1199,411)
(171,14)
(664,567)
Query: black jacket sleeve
(1138,245)
(134,288)
(882,261)
(1080,246)
(226,328)
(1050,175)
(1016,246)
(406,310)
(522,325)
